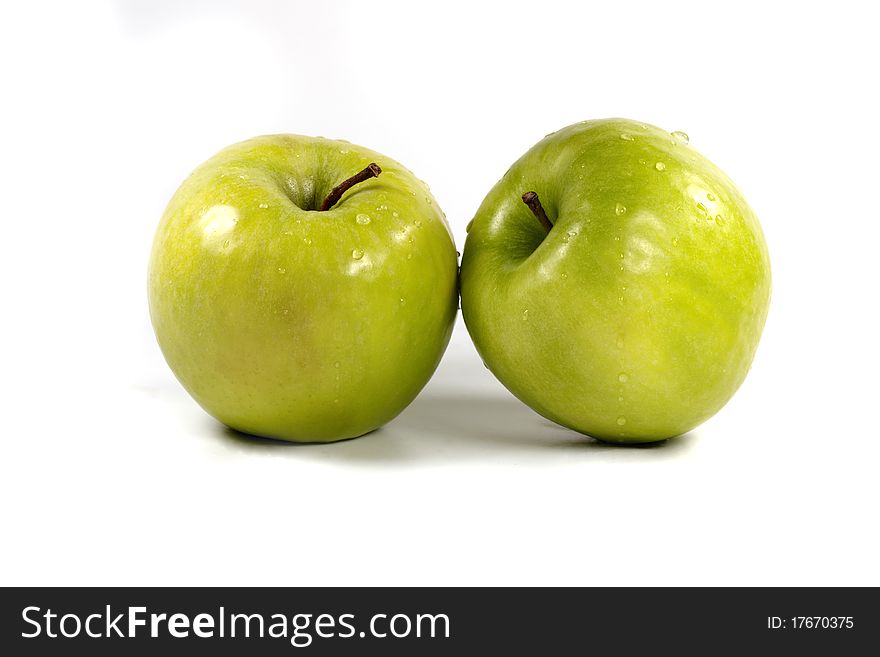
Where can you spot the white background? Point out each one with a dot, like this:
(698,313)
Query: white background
(112,475)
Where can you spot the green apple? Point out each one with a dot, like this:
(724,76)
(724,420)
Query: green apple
(616,281)
(298,294)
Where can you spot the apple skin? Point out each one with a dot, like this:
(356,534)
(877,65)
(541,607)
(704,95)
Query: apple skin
(286,322)
(636,317)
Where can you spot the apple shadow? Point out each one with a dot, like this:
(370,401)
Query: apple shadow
(448,428)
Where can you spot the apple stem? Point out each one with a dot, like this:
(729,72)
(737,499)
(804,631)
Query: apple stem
(370,171)
(531,199)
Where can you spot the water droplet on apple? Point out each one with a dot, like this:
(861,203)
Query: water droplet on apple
(564,275)
(428,200)
(307,241)
(402,299)
(623,377)
(620,398)
(264,205)
(719,219)
(660,166)
(457,254)
(409,256)
(357,254)
(621,421)
(282,270)
(525,315)
(225,244)
(395,214)
(678,135)
(470,225)
(710,196)
(702,209)
(642,160)
(336,364)
(362,219)
(674,241)
(569,235)
(619,209)
(626,136)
